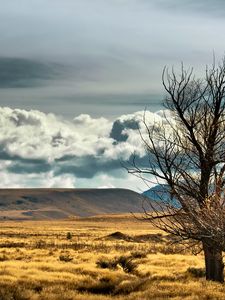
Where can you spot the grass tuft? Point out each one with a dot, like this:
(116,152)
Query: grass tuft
(106,263)
(127,263)
(196,272)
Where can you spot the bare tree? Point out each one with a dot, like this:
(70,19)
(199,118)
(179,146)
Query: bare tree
(189,156)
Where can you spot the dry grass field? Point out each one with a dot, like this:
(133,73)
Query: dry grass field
(108,257)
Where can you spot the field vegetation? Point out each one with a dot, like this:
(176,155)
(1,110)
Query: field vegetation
(109,257)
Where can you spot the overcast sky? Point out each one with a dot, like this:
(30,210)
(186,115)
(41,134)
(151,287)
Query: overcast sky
(99,58)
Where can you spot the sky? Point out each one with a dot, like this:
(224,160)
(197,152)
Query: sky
(76,76)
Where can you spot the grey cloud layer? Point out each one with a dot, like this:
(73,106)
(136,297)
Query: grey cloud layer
(36,144)
(111,50)
(213,8)
(22,73)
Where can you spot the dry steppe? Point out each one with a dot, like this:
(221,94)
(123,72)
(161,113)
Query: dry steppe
(96,258)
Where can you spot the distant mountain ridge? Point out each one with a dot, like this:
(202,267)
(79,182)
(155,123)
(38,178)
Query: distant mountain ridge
(32,204)
(159,192)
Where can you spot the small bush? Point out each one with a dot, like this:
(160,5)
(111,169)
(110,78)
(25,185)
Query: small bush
(69,236)
(196,272)
(127,264)
(38,288)
(138,254)
(65,257)
(105,263)
(3,257)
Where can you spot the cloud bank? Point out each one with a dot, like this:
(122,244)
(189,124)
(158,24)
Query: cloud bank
(45,150)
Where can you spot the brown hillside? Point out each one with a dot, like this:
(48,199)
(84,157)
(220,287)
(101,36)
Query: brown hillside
(64,203)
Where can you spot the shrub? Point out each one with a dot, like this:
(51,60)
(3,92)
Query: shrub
(65,257)
(38,288)
(138,254)
(3,257)
(127,263)
(105,263)
(196,272)
(69,236)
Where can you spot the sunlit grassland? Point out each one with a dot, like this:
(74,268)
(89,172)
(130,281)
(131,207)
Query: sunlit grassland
(40,260)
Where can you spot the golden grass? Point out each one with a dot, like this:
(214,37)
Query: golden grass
(39,262)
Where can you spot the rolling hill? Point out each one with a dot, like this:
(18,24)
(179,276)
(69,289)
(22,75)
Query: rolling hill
(159,192)
(25,204)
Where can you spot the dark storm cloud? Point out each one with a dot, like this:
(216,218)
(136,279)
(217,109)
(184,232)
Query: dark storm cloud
(118,127)
(86,167)
(23,73)
(90,166)
(29,167)
(80,167)
(21,165)
(4,155)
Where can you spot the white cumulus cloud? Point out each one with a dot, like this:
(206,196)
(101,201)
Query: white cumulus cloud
(38,149)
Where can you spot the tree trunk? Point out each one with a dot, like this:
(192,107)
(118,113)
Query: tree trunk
(213,263)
